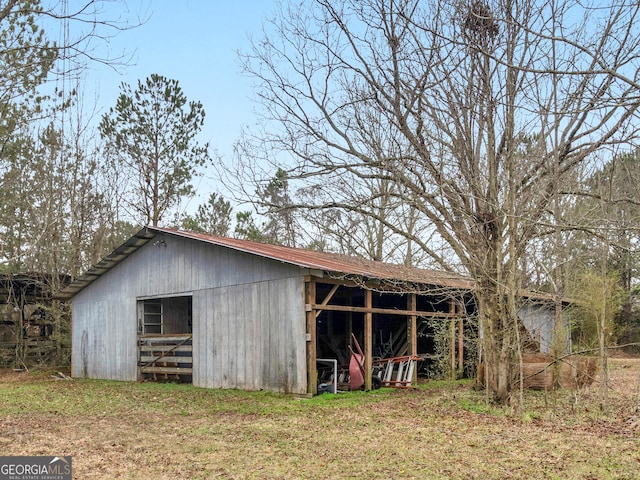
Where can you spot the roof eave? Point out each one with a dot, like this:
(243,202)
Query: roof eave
(130,246)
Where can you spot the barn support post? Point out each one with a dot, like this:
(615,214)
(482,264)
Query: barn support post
(460,340)
(452,310)
(312,371)
(21,347)
(368,340)
(413,331)
(349,332)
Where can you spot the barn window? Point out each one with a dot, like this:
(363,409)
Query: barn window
(152,316)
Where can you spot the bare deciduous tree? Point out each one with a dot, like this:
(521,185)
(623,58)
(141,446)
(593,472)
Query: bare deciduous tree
(489,105)
(52,212)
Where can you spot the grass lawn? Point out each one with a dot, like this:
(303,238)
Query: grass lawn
(437,431)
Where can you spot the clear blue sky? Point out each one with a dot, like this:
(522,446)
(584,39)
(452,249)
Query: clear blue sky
(194,42)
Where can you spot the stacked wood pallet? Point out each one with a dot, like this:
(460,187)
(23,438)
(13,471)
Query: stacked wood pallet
(541,372)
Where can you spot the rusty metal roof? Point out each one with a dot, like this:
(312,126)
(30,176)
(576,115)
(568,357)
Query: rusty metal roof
(339,266)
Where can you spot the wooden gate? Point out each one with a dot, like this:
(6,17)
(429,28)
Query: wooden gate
(164,357)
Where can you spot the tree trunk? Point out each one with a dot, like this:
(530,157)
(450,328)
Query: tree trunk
(497,344)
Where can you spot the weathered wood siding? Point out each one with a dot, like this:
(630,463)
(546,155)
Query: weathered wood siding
(254,337)
(539,320)
(103,345)
(248,315)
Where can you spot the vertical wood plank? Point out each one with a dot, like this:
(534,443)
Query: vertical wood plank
(262,308)
(248,336)
(206,342)
(196,311)
(201,321)
(228,340)
(312,372)
(255,352)
(231,319)
(274,299)
(298,314)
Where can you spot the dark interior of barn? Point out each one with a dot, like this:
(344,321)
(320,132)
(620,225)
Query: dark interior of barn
(340,326)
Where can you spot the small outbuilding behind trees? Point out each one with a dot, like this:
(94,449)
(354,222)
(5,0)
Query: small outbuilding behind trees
(33,325)
(229,313)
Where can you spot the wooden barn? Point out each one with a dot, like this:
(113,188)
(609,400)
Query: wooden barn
(228,313)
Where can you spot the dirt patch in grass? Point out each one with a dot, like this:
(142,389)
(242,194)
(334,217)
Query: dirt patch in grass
(129,430)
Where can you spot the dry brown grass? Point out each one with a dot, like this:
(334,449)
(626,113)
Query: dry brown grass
(124,430)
